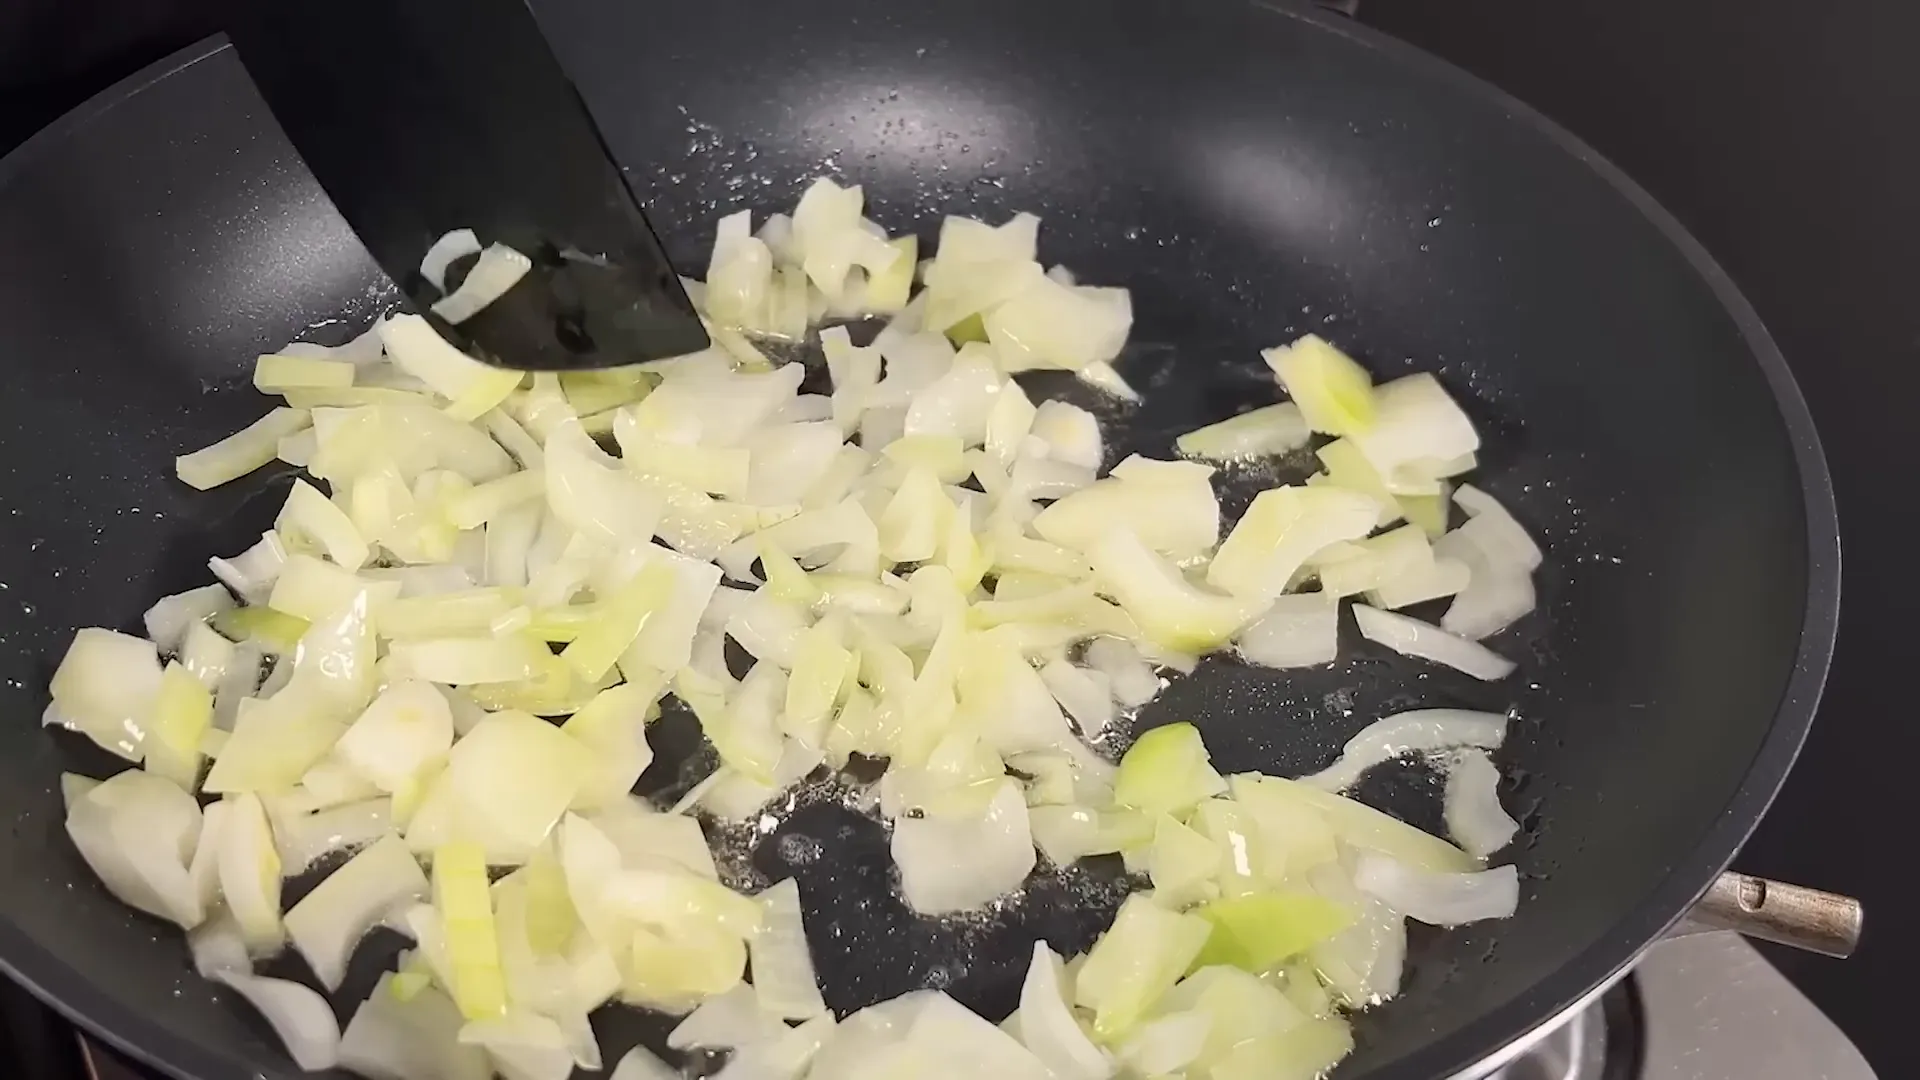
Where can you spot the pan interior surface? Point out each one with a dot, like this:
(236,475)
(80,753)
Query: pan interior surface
(1251,175)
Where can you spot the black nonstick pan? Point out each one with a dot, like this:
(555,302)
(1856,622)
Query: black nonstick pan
(1251,172)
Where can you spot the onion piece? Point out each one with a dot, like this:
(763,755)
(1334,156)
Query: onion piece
(1070,433)
(329,921)
(242,452)
(1256,932)
(1415,732)
(1133,680)
(613,727)
(1283,528)
(949,864)
(302,1018)
(1301,630)
(408,727)
(444,252)
(170,618)
(1166,771)
(1412,637)
(249,868)
(1439,899)
(640,1064)
(305,839)
(1086,695)
(1264,432)
(1135,962)
(1174,514)
(182,714)
(414,1037)
(499,268)
(727,1021)
(105,689)
(1334,393)
(1355,822)
(1047,1025)
(1415,420)
(137,832)
(216,946)
(506,785)
(783,972)
(417,348)
(1174,614)
(522,1045)
(1166,1044)
(1474,816)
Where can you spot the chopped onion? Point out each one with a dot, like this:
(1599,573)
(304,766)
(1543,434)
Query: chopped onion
(1137,960)
(105,689)
(1281,530)
(303,1019)
(1264,432)
(217,946)
(1417,732)
(505,787)
(1335,394)
(249,868)
(1356,823)
(640,1064)
(498,269)
(242,452)
(1414,420)
(949,864)
(727,1022)
(783,973)
(1166,771)
(1428,642)
(169,619)
(1086,695)
(1440,899)
(1301,630)
(1133,680)
(1474,816)
(411,1037)
(1070,433)
(137,832)
(408,727)
(1175,514)
(1166,1044)
(1047,1025)
(329,921)
(1174,614)
(444,252)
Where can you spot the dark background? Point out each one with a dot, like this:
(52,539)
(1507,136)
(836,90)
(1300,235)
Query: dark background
(1781,133)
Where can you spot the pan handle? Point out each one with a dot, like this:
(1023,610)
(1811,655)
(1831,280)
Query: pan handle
(1775,911)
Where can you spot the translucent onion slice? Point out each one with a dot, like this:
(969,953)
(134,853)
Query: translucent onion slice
(137,832)
(952,864)
(1166,1044)
(303,839)
(249,868)
(182,715)
(1412,637)
(1135,962)
(408,727)
(727,1022)
(497,270)
(1440,899)
(1335,394)
(409,1037)
(1300,630)
(640,1064)
(242,452)
(1172,612)
(522,1045)
(783,973)
(1257,932)
(329,921)
(1175,515)
(1355,823)
(1166,771)
(1283,528)
(1264,432)
(1415,420)
(169,619)
(105,689)
(1415,732)
(613,727)
(300,1017)
(216,946)
(1047,1025)
(1474,816)
(505,787)
(1133,680)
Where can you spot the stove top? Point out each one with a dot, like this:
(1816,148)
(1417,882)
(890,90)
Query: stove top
(1705,1007)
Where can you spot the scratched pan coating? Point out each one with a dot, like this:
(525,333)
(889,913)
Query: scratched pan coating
(1251,174)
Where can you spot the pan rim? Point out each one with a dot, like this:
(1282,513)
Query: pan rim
(1462,1053)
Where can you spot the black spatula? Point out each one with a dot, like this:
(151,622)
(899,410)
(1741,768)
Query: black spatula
(423,116)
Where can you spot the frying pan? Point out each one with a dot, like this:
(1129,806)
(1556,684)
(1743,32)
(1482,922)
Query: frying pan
(1251,172)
